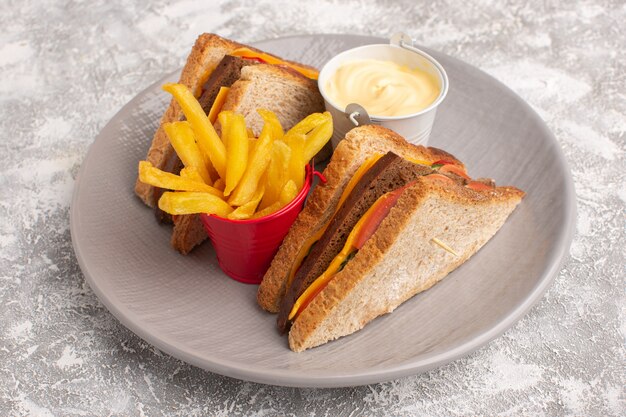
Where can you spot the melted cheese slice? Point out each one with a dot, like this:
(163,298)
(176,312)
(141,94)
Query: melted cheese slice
(270,59)
(419,161)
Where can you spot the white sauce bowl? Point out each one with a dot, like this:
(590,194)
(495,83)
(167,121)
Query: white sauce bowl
(415,127)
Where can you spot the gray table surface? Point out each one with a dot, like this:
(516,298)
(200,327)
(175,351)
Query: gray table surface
(68,66)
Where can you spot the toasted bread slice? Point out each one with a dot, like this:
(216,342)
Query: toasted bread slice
(401,259)
(359,144)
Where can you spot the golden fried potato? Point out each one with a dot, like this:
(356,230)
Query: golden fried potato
(257,164)
(208,140)
(247,210)
(148,174)
(271,119)
(297,162)
(277,173)
(191,173)
(237,149)
(218,103)
(318,137)
(187,202)
(219,184)
(288,193)
(183,141)
(268,210)
(225,119)
(307,124)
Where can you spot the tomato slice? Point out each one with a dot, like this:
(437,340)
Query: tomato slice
(455,169)
(308,299)
(478,186)
(443,162)
(383,208)
(439,177)
(255,58)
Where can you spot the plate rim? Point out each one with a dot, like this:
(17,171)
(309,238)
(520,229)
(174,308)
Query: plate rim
(368,376)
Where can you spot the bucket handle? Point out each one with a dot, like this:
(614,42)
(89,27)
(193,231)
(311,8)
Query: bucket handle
(402,40)
(320,176)
(357,114)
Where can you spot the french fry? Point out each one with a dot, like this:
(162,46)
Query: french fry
(191,173)
(247,210)
(225,119)
(307,124)
(257,164)
(182,139)
(267,210)
(208,140)
(318,137)
(250,133)
(253,177)
(148,174)
(288,193)
(276,173)
(251,144)
(187,202)
(219,184)
(296,163)
(237,149)
(270,118)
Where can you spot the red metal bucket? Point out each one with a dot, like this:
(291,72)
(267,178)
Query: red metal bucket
(245,248)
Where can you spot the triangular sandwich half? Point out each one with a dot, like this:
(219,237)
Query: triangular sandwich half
(405,221)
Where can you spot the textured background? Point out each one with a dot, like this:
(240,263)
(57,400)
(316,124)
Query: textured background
(68,66)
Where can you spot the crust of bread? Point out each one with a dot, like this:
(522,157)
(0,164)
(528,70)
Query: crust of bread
(400,260)
(359,144)
(188,232)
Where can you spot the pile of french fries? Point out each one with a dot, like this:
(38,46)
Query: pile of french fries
(235,176)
